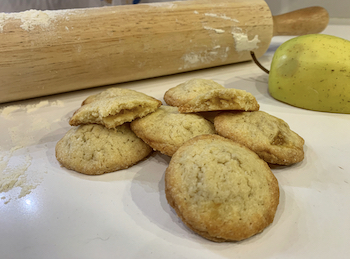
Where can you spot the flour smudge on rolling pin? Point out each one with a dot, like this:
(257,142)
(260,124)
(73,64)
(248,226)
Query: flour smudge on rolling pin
(32,19)
(193,58)
(221,16)
(242,42)
(213,29)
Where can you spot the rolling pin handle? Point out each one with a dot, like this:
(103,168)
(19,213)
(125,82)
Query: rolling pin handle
(300,22)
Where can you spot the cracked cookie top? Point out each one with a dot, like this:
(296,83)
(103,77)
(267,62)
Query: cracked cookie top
(184,92)
(166,129)
(93,149)
(113,107)
(220,100)
(270,137)
(220,189)
(201,95)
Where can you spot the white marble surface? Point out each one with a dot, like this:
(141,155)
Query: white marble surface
(52,212)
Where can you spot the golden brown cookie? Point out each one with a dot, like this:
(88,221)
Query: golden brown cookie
(268,136)
(188,90)
(166,129)
(221,99)
(93,149)
(220,189)
(113,107)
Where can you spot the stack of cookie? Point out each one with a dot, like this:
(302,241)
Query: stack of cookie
(102,140)
(236,116)
(221,185)
(218,181)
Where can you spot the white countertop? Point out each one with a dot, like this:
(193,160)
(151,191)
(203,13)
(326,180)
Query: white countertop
(47,211)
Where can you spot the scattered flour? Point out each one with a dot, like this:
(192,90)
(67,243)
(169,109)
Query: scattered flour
(213,29)
(19,175)
(29,19)
(57,103)
(242,43)
(32,19)
(221,16)
(18,138)
(163,4)
(40,124)
(13,174)
(193,59)
(34,107)
(6,112)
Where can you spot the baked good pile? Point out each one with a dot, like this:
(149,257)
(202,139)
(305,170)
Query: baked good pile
(218,181)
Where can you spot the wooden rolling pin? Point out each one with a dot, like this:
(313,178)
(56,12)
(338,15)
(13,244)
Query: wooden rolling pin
(49,52)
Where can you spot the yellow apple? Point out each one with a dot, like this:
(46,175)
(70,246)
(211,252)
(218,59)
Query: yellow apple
(312,72)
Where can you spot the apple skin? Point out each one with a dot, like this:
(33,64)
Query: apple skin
(312,72)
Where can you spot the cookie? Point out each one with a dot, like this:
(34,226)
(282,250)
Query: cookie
(188,90)
(220,189)
(166,129)
(113,107)
(93,149)
(221,99)
(270,137)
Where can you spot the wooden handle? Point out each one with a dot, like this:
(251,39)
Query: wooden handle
(304,21)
